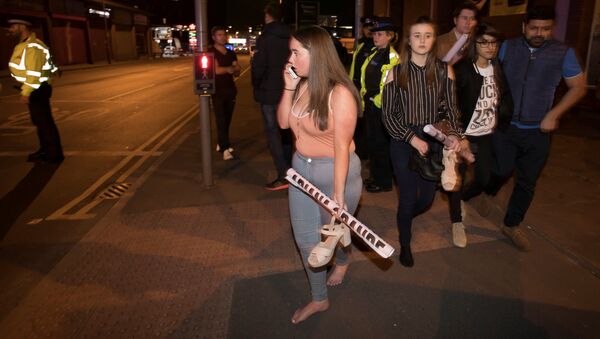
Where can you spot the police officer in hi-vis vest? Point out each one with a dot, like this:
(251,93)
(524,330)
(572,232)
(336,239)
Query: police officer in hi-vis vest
(31,65)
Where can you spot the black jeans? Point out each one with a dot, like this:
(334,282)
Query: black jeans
(524,151)
(41,116)
(482,167)
(415,193)
(223,105)
(279,143)
(378,145)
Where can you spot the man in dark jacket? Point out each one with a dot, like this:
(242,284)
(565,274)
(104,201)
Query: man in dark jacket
(534,65)
(270,57)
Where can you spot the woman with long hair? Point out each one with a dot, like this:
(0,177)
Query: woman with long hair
(320,105)
(486,104)
(412,97)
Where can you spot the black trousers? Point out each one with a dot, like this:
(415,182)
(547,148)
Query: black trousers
(378,146)
(223,105)
(523,151)
(484,161)
(415,193)
(41,117)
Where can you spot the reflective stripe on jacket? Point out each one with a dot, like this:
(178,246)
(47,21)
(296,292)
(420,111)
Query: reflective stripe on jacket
(385,69)
(356,51)
(31,64)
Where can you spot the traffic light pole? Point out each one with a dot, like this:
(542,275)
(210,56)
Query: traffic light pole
(204,114)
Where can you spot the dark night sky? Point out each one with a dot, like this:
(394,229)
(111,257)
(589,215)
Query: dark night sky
(235,12)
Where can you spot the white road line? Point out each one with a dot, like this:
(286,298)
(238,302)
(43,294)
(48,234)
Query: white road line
(83,212)
(241,74)
(179,77)
(61,212)
(130,92)
(92,153)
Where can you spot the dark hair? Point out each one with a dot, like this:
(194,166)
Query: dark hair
(217,28)
(465,5)
(480,31)
(405,55)
(540,13)
(326,71)
(274,10)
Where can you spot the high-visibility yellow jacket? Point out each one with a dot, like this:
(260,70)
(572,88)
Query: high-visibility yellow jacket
(385,69)
(31,64)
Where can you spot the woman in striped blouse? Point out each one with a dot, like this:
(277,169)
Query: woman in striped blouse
(412,96)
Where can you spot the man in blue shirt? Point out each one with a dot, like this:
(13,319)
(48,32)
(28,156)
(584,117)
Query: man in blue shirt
(534,65)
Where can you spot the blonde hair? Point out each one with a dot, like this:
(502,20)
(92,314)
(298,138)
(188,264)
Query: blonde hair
(325,72)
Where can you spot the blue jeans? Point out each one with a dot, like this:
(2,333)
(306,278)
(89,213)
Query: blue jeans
(280,152)
(416,194)
(308,216)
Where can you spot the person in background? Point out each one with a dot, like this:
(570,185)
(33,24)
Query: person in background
(363,49)
(465,20)
(374,71)
(534,65)
(31,65)
(411,99)
(269,58)
(226,67)
(485,104)
(320,107)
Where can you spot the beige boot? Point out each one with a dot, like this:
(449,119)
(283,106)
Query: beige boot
(459,238)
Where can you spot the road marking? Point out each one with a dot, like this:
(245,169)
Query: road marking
(241,74)
(130,92)
(178,77)
(92,153)
(61,213)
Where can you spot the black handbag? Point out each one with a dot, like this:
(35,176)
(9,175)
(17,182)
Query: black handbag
(430,166)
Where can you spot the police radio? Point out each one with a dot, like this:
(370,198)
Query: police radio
(204,73)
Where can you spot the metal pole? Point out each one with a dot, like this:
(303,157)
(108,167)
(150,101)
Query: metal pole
(359,10)
(106,35)
(204,114)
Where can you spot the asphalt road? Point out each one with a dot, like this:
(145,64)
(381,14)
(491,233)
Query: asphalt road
(114,122)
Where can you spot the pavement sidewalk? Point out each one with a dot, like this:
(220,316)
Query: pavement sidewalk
(172,259)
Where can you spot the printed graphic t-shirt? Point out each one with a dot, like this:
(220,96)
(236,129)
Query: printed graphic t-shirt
(483,120)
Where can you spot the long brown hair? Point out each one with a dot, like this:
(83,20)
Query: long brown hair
(325,71)
(405,55)
(480,31)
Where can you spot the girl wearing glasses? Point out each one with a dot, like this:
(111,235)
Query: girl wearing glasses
(485,103)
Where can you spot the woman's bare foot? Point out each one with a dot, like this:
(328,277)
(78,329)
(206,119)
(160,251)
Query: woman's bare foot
(337,276)
(311,308)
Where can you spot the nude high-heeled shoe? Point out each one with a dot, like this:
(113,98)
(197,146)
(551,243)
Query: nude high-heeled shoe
(323,252)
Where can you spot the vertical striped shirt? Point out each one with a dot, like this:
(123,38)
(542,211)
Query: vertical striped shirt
(404,110)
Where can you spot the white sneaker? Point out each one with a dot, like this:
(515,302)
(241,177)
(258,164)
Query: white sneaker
(459,238)
(227,154)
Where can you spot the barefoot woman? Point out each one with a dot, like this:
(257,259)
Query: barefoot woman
(320,107)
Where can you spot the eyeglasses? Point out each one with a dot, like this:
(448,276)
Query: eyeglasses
(486,43)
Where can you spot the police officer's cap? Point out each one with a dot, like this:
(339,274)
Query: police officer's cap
(368,20)
(19,21)
(384,24)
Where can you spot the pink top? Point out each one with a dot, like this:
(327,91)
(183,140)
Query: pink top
(311,142)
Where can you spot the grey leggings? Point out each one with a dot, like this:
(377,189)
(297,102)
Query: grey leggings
(308,216)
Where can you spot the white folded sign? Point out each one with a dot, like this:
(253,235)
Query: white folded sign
(369,237)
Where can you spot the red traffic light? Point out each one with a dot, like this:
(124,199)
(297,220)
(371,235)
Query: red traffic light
(204,73)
